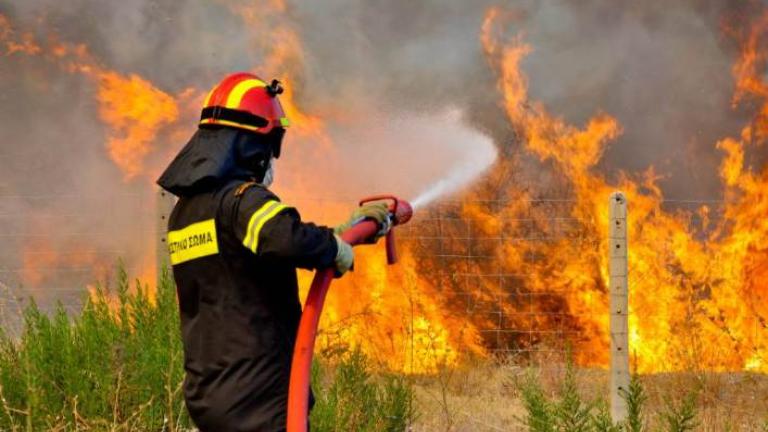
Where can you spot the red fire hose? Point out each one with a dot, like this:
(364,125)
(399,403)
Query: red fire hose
(361,232)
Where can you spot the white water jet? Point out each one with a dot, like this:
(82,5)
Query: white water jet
(480,154)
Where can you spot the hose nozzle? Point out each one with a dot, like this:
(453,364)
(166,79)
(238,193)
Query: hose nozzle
(401,212)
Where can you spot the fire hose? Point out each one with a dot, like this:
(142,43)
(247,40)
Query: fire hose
(361,232)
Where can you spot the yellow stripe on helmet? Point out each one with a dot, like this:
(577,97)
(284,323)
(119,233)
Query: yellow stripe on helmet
(236,95)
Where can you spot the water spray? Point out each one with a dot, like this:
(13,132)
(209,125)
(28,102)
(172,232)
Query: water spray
(361,232)
(450,183)
(441,187)
(479,154)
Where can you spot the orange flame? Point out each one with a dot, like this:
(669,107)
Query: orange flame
(21,44)
(393,313)
(693,303)
(45,264)
(135,110)
(698,295)
(132,108)
(396,316)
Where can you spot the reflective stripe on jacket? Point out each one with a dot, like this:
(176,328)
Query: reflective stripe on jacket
(234,253)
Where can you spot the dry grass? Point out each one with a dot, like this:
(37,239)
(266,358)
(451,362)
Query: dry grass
(484,396)
(477,397)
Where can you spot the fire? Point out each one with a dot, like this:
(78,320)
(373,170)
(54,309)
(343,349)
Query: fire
(698,296)
(694,295)
(135,110)
(21,44)
(45,264)
(132,108)
(393,314)
(396,315)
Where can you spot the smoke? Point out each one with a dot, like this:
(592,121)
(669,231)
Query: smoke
(663,70)
(380,75)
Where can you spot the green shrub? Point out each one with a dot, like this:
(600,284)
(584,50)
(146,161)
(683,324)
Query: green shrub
(635,398)
(571,413)
(350,398)
(601,418)
(116,365)
(567,411)
(540,411)
(680,416)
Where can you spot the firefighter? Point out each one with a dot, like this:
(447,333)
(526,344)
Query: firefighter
(234,248)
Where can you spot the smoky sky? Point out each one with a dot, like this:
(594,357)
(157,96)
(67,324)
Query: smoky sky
(663,69)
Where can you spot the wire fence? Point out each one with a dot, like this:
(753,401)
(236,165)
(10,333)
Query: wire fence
(532,277)
(56,246)
(486,267)
(527,275)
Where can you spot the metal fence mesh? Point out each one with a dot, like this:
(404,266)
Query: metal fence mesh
(467,263)
(53,254)
(513,313)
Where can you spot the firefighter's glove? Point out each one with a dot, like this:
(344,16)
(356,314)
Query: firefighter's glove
(377,211)
(345,257)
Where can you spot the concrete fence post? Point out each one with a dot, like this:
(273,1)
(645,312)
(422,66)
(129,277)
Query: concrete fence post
(164,206)
(619,292)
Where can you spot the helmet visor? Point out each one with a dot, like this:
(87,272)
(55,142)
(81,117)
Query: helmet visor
(275,140)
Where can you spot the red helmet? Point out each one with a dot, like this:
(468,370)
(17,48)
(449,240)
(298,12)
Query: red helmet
(242,100)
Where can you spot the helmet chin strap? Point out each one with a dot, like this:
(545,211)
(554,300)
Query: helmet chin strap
(269,175)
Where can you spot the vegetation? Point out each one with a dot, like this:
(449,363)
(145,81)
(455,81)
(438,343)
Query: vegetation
(350,399)
(114,366)
(564,412)
(117,365)
(568,412)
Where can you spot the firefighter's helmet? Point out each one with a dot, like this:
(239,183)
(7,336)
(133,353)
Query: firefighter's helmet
(244,101)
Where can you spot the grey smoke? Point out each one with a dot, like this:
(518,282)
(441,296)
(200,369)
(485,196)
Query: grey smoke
(661,68)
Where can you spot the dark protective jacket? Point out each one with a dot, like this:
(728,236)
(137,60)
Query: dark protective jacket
(234,248)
